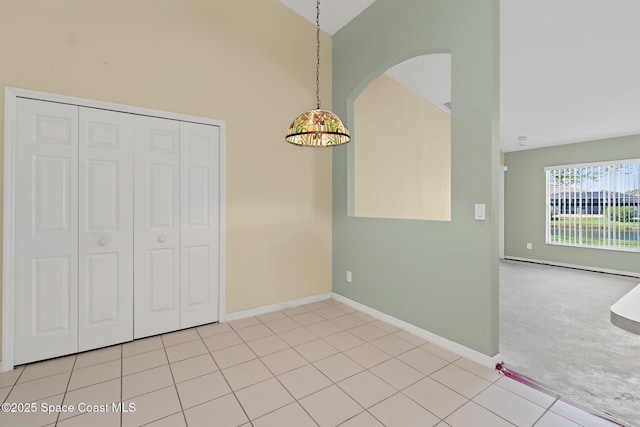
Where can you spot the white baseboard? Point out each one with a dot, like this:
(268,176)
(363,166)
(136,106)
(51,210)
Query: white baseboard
(577,267)
(237,315)
(466,352)
(462,351)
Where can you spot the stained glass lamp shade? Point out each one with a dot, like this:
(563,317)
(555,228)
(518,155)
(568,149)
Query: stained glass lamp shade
(317,128)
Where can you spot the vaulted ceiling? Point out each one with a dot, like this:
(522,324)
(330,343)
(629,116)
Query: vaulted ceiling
(569,69)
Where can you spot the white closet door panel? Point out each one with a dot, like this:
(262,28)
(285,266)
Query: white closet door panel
(200,223)
(51,287)
(50,190)
(102,302)
(106,228)
(102,193)
(46,231)
(162,198)
(161,292)
(157,226)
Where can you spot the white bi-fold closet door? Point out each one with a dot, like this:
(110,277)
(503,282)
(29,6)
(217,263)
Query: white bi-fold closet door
(176,225)
(116,230)
(105,227)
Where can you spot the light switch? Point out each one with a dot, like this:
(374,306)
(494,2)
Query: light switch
(480,212)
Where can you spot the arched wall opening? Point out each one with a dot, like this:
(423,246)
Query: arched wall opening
(402,151)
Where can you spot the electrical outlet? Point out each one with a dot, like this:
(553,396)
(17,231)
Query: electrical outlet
(529,246)
(348,276)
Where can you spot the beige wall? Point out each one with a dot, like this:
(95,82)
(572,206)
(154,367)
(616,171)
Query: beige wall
(250,63)
(402,154)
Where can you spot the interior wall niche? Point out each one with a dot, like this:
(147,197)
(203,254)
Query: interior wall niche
(402,143)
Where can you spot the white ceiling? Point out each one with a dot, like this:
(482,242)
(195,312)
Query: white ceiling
(569,69)
(334,14)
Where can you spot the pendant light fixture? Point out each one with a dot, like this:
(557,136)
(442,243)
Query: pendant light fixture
(317,128)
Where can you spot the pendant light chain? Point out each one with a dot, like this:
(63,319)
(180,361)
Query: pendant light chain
(318,53)
(318,127)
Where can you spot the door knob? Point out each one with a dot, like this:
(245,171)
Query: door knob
(161,239)
(102,242)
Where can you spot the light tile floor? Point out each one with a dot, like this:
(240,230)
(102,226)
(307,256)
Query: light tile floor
(321,364)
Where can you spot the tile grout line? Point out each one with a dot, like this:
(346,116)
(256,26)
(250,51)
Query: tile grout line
(225,380)
(332,383)
(395,357)
(270,371)
(44,376)
(175,386)
(467,400)
(555,399)
(368,369)
(75,360)
(134,373)
(489,410)
(543,414)
(296,400)
(545,410)
(13,385)
(153,391)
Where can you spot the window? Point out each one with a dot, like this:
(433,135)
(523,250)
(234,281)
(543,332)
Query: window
(594,205)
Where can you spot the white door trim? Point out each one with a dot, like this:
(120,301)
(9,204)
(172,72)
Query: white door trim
(8,242)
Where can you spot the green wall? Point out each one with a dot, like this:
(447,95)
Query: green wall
(525,202)
(440,276)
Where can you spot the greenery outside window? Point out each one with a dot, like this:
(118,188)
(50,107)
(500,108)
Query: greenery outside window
(594,205)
